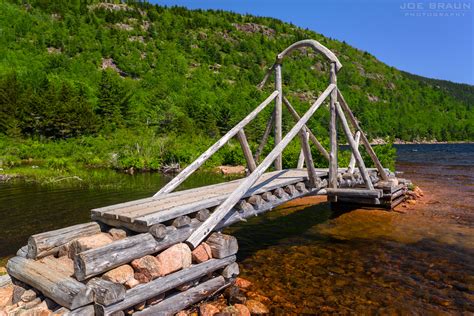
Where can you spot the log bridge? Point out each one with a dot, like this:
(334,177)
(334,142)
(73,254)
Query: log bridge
(81,268)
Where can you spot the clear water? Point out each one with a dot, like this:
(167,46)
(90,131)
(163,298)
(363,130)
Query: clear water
(309,259)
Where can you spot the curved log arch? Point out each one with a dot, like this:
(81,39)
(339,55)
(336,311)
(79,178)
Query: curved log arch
(318,48)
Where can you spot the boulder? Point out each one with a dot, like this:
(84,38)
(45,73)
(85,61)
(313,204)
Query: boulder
(89,242)
(146,269)
(256,307)
(156,299)
(130,284)
(6,295)
(242,310)
(208,309)
(28,296)
(174,258)
(40,309)
(18,290)
(121,274)
(243,283)
(117,233)
(201,253)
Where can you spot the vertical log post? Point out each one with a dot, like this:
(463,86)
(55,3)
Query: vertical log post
(300,164)
(351,167)
(304,136)
(246,149)
(333,131)
(278,113)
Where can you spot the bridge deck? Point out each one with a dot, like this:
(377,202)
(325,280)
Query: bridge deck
(149,211)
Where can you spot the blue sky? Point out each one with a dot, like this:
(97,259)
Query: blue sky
(405,34)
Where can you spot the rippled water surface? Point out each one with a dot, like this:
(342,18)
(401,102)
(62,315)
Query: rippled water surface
(309,259)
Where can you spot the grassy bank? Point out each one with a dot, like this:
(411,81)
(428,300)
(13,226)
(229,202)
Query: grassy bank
(78,160)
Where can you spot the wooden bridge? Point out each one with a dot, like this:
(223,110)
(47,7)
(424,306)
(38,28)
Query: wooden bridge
(169,218)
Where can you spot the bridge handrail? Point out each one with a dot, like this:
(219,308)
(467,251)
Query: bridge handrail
(186,172)
(221,211)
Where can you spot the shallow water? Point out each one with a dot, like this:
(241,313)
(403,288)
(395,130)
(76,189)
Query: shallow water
(419,260)
(309,259)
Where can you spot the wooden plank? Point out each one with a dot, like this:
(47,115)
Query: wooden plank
(61,288)
(163,284)
(246,149)
(183,175)
(48,243)
(333,131)
(248,182)
(177,302)
(193,195)
(278,179)
(313,138)
(365,141)
(363,193)
(278,113)
(352,162)
(354,147)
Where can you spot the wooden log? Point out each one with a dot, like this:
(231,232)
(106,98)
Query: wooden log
(220,212)
(266,134)
(354,147)
(231,271)
(203,214)
(364,139)
(300,163)
(291,190)
(96,261)
(106,292)
(61,288)
(222,245)
(183,175)
(181,221)
(363,193)
(5,280)
(23,251)
(316,46)
(278,114)
(313,138)
(256,200)
(177,302)
(268,196)
(280,193)
(99,260)
(163,284)
(158,231)
(352,162)
(244,144)
(333,131)
(48,243)
(397,201)
(301,187)
(308,158)
(81,311)
(358,200)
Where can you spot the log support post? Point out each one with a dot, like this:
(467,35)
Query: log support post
(266,134)
(246,149)
(352,162)
(278,113)
(333,131)
(313,178)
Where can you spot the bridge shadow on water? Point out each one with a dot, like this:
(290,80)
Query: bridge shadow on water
(277,226)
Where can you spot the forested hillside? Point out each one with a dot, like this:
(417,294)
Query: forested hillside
(141,85)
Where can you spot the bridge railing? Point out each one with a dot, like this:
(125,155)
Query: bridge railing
(338,109)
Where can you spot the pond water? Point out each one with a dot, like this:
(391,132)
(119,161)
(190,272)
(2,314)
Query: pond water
(309,259)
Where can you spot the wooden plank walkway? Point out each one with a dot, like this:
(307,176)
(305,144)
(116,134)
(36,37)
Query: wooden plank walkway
(149,211)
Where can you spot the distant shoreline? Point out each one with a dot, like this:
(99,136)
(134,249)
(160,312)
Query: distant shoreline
(379,141)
